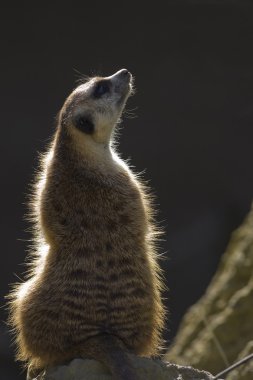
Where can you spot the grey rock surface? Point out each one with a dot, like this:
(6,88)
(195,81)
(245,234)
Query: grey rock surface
(147,369)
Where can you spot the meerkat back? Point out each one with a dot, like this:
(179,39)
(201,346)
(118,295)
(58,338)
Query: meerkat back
(94,288)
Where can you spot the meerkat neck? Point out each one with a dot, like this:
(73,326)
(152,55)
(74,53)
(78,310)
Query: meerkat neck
(93,157)
(98,156)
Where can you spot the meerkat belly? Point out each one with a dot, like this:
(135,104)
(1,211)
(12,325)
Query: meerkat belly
(131,306)
(112,298)
(65,310)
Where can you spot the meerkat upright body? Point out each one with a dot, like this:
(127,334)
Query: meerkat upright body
(96,272)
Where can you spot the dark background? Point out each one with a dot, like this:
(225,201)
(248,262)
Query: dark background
(193,133)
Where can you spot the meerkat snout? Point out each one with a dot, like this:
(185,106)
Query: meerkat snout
(122,81)
(123,72)
(123,75)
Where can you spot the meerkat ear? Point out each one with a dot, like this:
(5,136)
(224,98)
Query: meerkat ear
(85,124)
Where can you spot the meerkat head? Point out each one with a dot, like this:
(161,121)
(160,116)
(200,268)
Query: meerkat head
(91,112)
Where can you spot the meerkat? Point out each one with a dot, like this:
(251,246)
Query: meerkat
(94,288)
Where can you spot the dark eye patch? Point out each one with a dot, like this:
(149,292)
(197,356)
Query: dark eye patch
(85,124)
(102,87)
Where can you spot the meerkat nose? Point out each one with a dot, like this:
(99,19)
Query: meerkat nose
(122,74)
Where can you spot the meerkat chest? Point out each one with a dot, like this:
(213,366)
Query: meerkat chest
(114,212)
(102,236)
(80,210)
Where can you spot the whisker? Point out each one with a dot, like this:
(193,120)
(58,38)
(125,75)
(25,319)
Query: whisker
(130,113)
(81,78)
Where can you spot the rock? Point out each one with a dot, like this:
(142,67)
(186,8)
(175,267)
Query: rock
(147,369)
(219,326)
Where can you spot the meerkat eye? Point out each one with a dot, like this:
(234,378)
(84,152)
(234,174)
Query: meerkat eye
(85,125)
(101,88)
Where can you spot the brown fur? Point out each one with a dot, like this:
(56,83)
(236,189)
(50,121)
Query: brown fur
(95,270)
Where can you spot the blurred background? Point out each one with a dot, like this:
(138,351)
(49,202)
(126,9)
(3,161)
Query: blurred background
(192,134)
